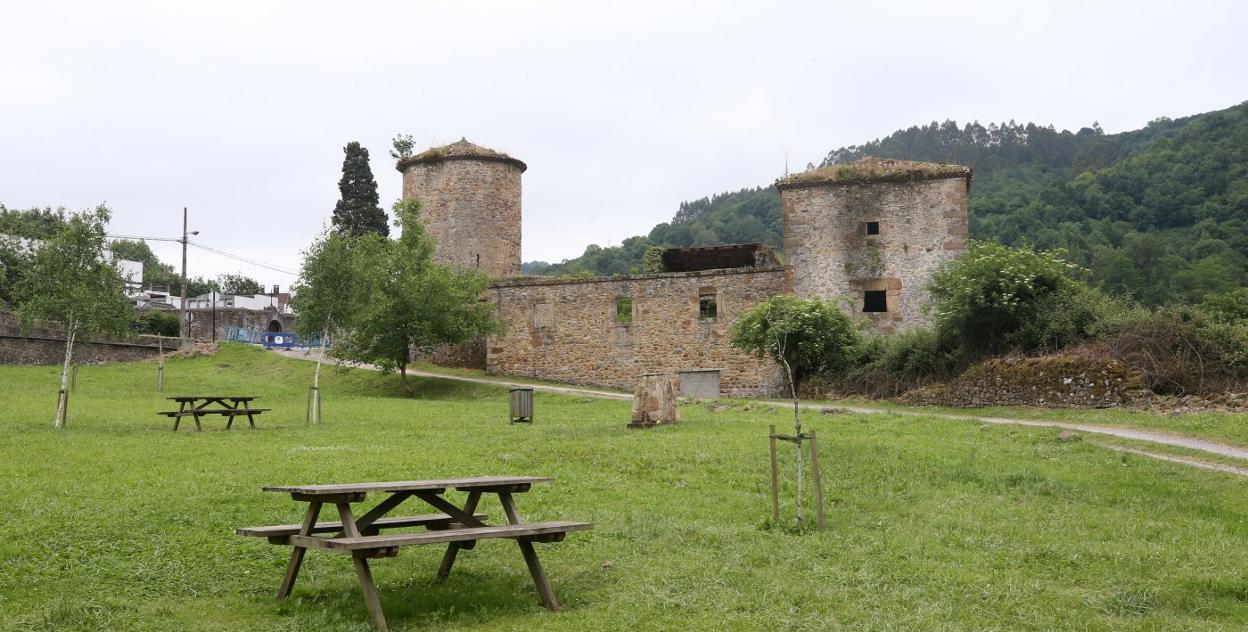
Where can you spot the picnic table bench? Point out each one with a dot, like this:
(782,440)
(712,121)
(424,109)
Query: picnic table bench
(459,527)
(229,406)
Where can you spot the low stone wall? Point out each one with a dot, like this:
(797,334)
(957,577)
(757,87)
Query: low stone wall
(44,343)
(1069,380)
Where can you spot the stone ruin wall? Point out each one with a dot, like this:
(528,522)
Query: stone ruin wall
(577,340)
(471,207)
(923,223)
(202,320)
(44,343)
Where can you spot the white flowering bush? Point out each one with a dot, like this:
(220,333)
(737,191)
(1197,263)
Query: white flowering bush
(994,297)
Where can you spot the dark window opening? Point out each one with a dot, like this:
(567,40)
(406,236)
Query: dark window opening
(873,228)
(707,307)
(875,301)
(624,310)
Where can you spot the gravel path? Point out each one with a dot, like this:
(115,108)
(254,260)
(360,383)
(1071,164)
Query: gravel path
(1150,436)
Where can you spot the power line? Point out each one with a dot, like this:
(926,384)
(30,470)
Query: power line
(243,259)
(261,264)
(143,238)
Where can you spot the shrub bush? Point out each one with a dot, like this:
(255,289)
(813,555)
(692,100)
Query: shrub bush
(991,298)
(1182,350)
(889,365)
(1228,307)
(158,323)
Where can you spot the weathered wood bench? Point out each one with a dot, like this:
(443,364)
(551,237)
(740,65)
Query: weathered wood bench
(280,533)
(459,527)
(388,545)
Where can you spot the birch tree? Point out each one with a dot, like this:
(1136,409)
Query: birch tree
(328,294)
(70,280)
(805,337)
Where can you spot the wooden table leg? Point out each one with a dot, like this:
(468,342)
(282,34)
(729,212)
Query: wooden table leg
(371,599)
(530,556)
(296,556)
(178,419)
(452,549)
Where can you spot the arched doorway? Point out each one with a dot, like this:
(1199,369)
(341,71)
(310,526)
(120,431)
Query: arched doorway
(275,325)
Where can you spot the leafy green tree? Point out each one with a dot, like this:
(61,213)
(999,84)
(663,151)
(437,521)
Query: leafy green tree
(1229,307)
(331,288)
(238,284)
(988,297)
(35,223)
(71,281)
(413,303)
(357,211)
(403,145)
(807,336)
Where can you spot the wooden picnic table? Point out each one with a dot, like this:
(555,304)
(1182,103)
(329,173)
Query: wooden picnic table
(459,526)
(197,406)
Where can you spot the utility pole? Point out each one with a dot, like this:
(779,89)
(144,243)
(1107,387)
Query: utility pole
(184,326)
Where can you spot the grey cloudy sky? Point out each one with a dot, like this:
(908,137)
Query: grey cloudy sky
(239,110)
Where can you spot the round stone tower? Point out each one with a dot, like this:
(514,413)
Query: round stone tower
(470,203)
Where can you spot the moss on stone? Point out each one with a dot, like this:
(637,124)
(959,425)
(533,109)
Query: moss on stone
(875,169)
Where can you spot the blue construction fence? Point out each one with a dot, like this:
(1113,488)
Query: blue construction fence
(271,339)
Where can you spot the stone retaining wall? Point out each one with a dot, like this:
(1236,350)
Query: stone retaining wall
(45,344)
(1068,380)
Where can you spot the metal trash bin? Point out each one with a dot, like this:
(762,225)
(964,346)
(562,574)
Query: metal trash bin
(521,406)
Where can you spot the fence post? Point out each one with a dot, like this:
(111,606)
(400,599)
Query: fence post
(775,480)
(814,466)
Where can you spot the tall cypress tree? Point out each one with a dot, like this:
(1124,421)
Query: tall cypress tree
(358,212)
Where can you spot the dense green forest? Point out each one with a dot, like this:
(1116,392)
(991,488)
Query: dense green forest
(1159,213)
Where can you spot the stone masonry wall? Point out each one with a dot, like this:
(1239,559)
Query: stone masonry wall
(201,327)
(45,344)
(472,208)
(922,223)
(568,330)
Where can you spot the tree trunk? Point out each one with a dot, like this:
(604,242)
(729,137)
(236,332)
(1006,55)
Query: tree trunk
(62,402)
(407,388)
(797,424)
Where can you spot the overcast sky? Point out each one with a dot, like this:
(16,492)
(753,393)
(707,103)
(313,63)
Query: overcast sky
(239,110)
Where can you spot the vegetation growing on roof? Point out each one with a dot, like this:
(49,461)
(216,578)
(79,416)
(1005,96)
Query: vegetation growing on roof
(871,168)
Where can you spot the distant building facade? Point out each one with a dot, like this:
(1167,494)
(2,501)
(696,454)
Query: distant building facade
(867,235)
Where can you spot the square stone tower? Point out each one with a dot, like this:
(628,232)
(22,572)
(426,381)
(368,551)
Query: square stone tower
(870,233)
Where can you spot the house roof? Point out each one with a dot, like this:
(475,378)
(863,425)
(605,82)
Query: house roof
(459,150)
(871,169)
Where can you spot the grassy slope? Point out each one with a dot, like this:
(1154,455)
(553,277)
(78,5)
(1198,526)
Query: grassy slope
(118,523)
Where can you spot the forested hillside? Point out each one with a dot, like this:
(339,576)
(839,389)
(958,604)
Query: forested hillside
(1159,213)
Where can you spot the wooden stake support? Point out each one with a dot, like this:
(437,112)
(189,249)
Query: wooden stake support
(773,436)
(314,406)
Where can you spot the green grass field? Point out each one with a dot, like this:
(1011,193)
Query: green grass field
(118,523)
